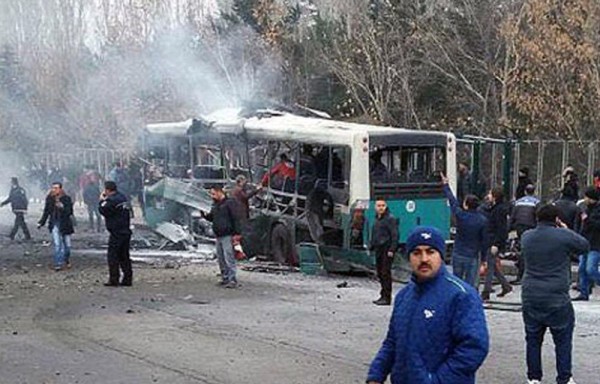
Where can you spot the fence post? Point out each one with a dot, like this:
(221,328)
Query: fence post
(591,162)
(540,168)
(507,160)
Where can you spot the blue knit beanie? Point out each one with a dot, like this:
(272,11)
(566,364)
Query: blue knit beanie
(429,236)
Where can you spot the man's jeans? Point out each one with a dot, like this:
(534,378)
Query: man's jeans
(561,323)
(226,258)
(466,268)
(588,270)
(62,247)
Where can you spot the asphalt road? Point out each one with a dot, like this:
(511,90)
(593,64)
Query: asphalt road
(176,326)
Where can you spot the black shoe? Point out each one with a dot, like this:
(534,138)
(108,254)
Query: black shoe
(125,283)
(382,301)
(110,284)
(505,291)
(485,296)
(580,298)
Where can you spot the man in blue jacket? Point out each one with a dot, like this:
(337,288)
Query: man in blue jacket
(547,252)
(438,332)
(470,244)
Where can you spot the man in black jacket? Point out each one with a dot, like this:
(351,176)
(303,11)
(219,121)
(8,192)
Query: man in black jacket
(498,234)
(226,224)
(18,202)
(591,231)
(384,242)
(523,218)
(117,215)
(58,211)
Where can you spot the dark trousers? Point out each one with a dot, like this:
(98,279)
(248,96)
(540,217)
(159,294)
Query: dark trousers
(94,212)
(494,272)
(561,324)
(118,258)
(384,272)
(20,223)
(520,264)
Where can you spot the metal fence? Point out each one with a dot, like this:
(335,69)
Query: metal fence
(498,161)
(101,160)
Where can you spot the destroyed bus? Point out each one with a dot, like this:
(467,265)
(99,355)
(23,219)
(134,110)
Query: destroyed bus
(321,179)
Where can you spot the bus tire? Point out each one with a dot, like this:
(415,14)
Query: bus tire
(281,244)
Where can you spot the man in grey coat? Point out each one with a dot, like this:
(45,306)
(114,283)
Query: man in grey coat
(547,252)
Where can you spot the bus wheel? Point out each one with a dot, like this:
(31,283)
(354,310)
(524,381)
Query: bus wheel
(281,244)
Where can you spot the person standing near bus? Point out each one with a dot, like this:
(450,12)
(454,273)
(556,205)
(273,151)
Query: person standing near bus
(384,243)
(471,236)
(438,332)
(224,216)
(522,218)
(498,234)
(547,251)
(116,211)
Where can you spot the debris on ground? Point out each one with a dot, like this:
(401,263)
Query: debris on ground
(268,267)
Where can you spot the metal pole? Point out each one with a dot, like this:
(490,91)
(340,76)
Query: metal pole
(507,162)
(591,161)
(540,168)
(517,164)
(476,165)
(494,173)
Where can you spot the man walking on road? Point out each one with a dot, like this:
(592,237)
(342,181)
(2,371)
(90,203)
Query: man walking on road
(591,231)
(498,234)
(523,218)
(547,252)
(384,242)
(470,244)
(17,198)
(226,224)
(117,215)
(438,332)
(58,211)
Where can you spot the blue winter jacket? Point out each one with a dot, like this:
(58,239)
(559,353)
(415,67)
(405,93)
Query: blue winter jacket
(471,229)
(437,335)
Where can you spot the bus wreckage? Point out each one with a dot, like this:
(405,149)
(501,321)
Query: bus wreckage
(322,209)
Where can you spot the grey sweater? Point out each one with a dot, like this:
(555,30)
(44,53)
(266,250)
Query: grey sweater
(547,252)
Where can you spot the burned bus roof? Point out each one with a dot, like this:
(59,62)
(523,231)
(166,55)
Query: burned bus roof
(179,128)
(277,125)
(284,126)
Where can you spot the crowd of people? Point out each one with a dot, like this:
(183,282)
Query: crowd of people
(438,331)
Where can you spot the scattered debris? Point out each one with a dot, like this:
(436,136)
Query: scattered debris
(343,284)
(268,267)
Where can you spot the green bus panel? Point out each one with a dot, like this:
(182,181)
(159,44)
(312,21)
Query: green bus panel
(411,213)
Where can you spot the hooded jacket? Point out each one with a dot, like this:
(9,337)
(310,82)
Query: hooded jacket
(437,334)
